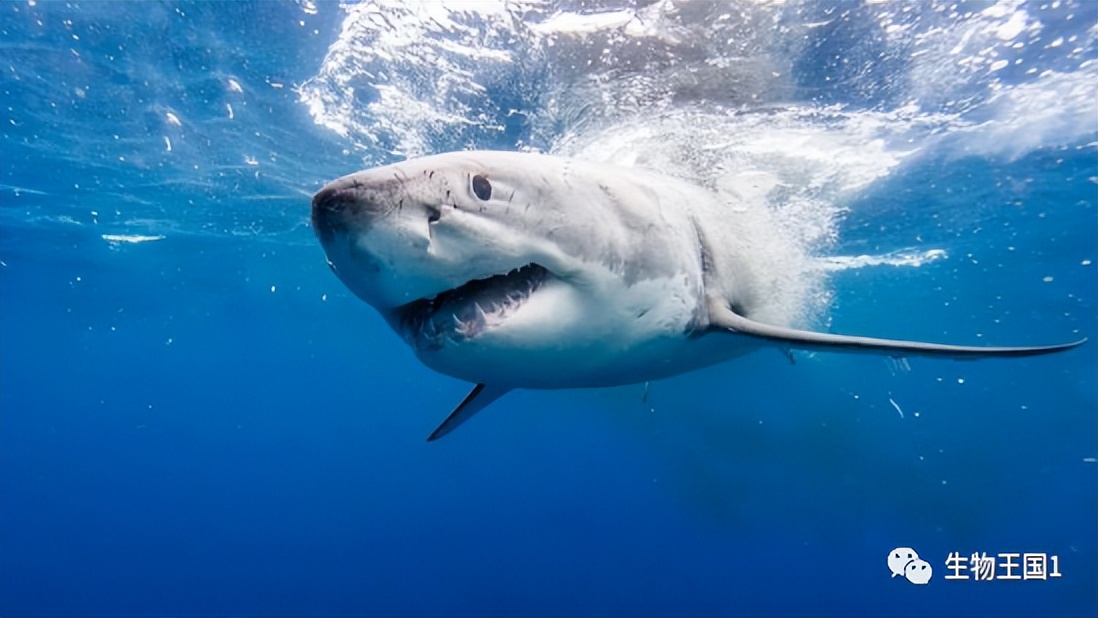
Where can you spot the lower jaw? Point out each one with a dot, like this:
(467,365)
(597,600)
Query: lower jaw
(466,312)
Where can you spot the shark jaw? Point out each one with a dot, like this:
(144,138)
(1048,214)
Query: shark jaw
(468,310)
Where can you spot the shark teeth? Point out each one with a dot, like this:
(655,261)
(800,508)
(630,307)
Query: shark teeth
(468,310)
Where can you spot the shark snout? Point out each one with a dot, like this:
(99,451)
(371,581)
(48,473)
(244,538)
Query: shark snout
(333,206)
(328,207)
(354,202)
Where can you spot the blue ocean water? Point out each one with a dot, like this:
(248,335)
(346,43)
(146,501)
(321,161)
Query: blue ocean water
(196,418)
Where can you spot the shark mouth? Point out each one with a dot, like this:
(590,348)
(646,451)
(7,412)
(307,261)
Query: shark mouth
(468,310)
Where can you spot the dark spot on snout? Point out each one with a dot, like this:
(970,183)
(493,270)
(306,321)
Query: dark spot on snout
(327,199)
(356,201)
(328,206)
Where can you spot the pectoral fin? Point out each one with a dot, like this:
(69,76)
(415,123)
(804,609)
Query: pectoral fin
(477,399)
(724,319)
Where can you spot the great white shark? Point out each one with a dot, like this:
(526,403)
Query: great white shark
(517,270)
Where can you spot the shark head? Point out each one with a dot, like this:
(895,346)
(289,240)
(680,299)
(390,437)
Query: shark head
(497,258)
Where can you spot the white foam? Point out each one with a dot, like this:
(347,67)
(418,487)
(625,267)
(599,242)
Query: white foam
(415,77)
(1055,110)
(133,239)
(564,23)
(907,257)
(402,75)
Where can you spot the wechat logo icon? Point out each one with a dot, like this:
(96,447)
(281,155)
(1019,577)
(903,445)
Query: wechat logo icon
(905,562)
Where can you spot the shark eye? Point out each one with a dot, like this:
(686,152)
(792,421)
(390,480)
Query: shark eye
(481,187)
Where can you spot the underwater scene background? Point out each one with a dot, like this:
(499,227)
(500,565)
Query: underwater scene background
(197,418)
